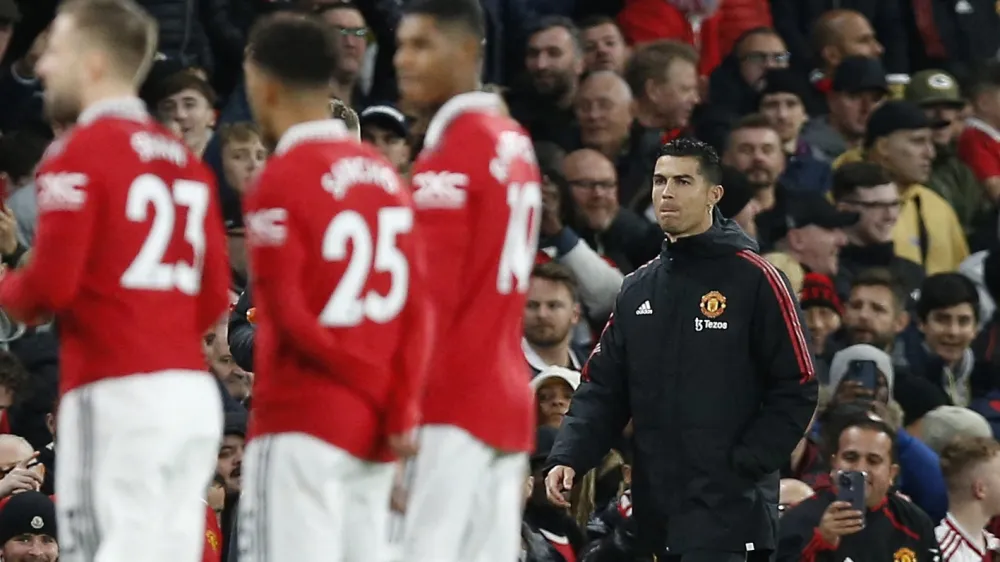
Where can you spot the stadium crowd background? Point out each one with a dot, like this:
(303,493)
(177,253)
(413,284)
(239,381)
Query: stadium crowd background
(862,147)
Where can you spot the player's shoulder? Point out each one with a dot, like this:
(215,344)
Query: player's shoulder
(641,277)
(472,119)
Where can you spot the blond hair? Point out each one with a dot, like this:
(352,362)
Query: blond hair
(126,31)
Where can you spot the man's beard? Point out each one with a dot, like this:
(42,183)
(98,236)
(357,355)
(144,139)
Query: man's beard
(882,341)
(560,86)
(763,177)
(548,337)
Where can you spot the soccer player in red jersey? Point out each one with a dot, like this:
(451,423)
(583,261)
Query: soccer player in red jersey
(478,201)
(130,259)
(342,322)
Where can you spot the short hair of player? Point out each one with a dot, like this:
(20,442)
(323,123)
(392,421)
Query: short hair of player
(465,13)
(653,60)
(852,176)
(708,158)
(881,277)
(963,455)
(123,28)
(13,375)
(558,273)
(296,49)
(340,110)
(241,131)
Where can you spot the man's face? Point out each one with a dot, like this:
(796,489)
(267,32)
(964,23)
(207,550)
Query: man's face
(553,62)
(952,115)
(878,208)
(191,110)
(871,316)
(786,113)
(821,321)
(61,70)
(850,111)
(240,161)
(350,25)
(31,548)
(425,59)
(230,462)
(818,248)
(222,365)
(676,96)
(950,331)
(604,48)
(389,143)
(908,155)
(682,196)
(756,153)
(869,451)
(553,399)
(594,187)
(549,313)
(603,112)
(14,451)
(857,38)
(758,54)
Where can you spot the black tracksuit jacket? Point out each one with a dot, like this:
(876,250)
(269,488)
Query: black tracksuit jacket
(705,352)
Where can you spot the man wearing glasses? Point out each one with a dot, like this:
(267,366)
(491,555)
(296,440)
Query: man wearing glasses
(350,25)
(864,188)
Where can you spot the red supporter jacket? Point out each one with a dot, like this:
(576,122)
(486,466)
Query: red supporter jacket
(130,253)
(478,201)
(343,325)
(212,552)
(643,21)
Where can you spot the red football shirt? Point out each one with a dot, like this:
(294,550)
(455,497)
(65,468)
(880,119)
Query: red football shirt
(478,200)
(212,551)
(979,149)
(130,252)
(338,281)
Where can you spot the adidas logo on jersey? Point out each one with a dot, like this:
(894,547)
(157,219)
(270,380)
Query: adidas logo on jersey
(644,309)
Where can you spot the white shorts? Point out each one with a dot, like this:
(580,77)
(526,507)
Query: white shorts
(465,500)
(136,455)
(305,500)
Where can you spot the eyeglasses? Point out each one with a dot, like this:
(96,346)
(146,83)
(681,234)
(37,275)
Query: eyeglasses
(877,205)
(761,57)
(360,32)
(597,185)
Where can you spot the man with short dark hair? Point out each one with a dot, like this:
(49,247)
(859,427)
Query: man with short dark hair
(550,313)
(604,46)
(659,363)
(875,311)
(753,147)
(352,32)
(663,77)
(187,102)
(825,525)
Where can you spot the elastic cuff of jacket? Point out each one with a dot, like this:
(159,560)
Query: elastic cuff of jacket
(818,543)
(565,241)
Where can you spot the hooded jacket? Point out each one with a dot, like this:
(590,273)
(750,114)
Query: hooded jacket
(705,352)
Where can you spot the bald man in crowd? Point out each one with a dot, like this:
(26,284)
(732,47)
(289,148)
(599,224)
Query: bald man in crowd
(19,465)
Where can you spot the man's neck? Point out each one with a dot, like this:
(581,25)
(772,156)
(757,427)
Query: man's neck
(852,140)
(557,354)
(792,145)
(700,229)
(344,86)
(612,150)
(566,100)
(971,519)
(106,91)
(199,147)
(301,111)
(647,116)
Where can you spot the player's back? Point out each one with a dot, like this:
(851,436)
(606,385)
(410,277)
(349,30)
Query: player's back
(337,213)
(478,198)
(155,270)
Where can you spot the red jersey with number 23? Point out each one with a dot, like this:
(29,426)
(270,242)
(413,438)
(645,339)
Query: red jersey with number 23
(337,275)
(478,201)
(130,252)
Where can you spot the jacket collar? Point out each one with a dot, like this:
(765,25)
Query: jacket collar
(121,108)
(483,102)
(326,129)
(983,126)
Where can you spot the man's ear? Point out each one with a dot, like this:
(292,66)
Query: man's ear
(576,313)
(715,194)
(893,472)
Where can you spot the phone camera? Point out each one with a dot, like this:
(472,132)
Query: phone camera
(846,482)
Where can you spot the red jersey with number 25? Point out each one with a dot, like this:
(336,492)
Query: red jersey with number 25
(478,202)
(130,253)
(337,276)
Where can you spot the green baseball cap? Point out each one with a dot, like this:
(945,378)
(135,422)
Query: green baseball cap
(934,87)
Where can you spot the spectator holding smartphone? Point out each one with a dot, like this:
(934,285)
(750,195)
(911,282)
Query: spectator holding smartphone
(825,527)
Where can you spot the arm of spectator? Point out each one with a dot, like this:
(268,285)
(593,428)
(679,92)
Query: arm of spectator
(920,473)
(241,332)
(600,408)
(892,34)
(799,539)
(782,358)
(220,28)
(598,280)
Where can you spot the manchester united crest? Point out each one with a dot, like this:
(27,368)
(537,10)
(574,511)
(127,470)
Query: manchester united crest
(904,555)
(713,304)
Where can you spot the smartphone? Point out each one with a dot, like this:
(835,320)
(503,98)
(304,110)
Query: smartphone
(863,372)
(851,489)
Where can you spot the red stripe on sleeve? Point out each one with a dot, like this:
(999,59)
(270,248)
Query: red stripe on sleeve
(816,544)
(788,310)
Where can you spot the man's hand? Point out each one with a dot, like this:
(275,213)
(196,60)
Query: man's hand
(21,479)
(839,520)
(404,445)
(551,210)
(8,232)
(558,484)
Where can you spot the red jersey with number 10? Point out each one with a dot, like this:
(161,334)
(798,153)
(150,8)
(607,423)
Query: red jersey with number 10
(130,253)
(478,200)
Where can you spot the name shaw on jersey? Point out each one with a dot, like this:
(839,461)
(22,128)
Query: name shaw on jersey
(149,147)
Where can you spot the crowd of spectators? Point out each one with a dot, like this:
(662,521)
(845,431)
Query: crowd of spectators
(861,141)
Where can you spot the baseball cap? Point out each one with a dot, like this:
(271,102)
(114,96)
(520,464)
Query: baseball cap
(842,360)
(898,115)
(554,372)
(385,116)
(27,513)
(945,423)
(736,193)
(859,74)
(934,87)
(784,81)
(810,208)
(9,12)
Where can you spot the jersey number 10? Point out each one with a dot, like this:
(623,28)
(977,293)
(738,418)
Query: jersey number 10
(520,244)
